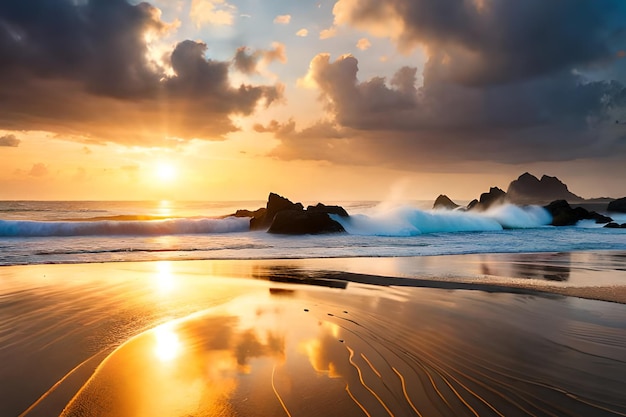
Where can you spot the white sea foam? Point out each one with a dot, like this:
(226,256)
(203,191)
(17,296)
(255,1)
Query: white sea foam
(515,217)
(409,221)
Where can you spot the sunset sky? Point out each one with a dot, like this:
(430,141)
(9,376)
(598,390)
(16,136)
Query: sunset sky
(317,100)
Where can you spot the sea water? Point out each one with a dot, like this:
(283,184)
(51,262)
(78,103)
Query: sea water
(35,232)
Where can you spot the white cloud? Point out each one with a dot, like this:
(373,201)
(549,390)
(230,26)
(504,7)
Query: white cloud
(363,44)
(303,33)
(213,12)
(331,32)
(283,19)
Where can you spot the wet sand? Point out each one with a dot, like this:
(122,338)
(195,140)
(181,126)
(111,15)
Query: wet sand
(314,337)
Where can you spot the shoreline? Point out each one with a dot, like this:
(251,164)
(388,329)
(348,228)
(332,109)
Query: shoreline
(572,273)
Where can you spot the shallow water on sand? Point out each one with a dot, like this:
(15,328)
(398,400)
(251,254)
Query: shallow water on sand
(236,337)
(421,352)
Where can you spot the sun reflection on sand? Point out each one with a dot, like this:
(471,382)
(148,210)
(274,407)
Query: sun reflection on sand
(168,345)
(165,279)
(241,354)
(280,352)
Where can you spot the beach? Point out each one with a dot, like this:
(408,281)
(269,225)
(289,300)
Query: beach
(230,208)
(481,334)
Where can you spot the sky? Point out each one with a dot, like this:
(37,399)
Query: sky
(328,100)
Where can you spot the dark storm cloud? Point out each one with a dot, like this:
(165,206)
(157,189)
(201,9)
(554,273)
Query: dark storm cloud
(82,68)
(246,60)
(545,118)
(399,105)
(9,141)
(100,43)
(492,41)
(507,81)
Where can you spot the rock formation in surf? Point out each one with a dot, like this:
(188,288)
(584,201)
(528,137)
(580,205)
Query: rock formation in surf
(303,222)
(613,225)
(565,215)
(275,203)
(322,208)
(618,206)
(494,197)
(444,202)
(282,216)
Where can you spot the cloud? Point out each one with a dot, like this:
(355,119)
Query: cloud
(363,44)
(38,170)
(393,120)
(484,42)
(278,53)
(9,141)
(506,81)
(323,140)
(283,19)
(303,33)
(331,32)
(321,129)
(212,12)
(86,73)
(246,60)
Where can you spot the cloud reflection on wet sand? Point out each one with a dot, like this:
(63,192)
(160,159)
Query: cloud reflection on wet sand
(325,352)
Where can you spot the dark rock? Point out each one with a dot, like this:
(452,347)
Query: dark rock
(583,214)
(275,204)
(617,206)
(614,225)
(600,218)
(527,189)
(300,222)
(472,204)
(493,197)
(283,216)
(564,215)
(444,202)
(322,208)
(249,213)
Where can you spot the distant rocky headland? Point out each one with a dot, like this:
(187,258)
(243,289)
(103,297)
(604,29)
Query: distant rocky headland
(565,207)
(282,216)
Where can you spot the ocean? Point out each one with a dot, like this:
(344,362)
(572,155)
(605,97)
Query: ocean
(44,232)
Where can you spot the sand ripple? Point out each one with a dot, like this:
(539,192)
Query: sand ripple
(436,353)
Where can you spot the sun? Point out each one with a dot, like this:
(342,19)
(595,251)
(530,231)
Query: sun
(166,172)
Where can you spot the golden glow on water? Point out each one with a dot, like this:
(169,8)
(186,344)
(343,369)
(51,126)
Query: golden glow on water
(167,343)
(165,209)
